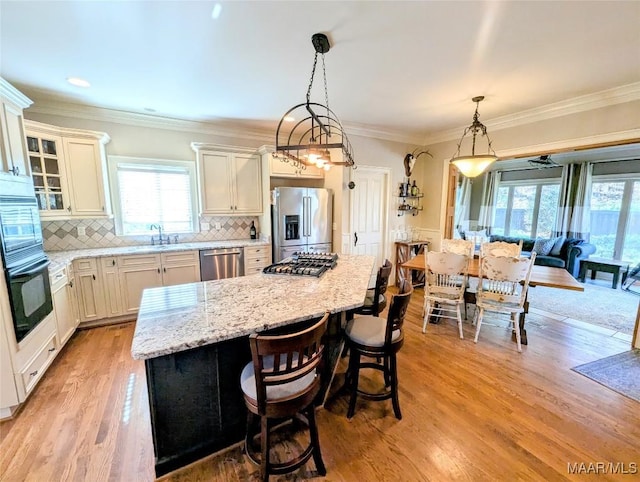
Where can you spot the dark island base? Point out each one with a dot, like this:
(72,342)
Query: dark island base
(196,403)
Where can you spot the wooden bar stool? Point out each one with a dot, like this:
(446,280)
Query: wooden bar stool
(376,301)
(373,337)
(281,383)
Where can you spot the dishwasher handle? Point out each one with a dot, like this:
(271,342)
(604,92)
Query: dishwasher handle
(218,252)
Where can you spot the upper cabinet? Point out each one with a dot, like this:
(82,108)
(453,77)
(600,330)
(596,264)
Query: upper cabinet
(12,138)
(68,167)
(279,168)
(230,180)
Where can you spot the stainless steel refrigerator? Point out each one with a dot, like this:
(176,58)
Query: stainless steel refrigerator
(301,220)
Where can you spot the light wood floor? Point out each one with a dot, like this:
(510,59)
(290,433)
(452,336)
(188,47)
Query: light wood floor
(471,412)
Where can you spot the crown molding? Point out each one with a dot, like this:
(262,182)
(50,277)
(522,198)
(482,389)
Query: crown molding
(382,134)
(65,109)
(9,92)
(40,128)
(583,103)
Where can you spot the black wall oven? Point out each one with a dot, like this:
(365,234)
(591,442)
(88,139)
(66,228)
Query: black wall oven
(25,263)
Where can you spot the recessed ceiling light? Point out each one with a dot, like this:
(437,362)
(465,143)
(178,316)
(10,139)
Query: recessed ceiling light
(78,82)
(289,118)
(215,13)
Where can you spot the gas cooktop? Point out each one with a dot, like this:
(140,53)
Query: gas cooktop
(304,264)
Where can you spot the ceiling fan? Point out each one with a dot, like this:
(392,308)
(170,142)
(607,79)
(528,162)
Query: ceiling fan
(543,162)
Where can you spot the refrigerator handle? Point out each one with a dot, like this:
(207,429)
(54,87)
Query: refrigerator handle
(306,205)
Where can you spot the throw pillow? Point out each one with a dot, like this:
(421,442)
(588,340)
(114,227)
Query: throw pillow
(555,251)
(543,246)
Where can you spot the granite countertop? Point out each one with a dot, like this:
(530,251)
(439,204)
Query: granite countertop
(176,318)
(59,259)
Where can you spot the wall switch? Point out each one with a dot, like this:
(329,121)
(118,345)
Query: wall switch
(218,226)
(204,227)
(82,231)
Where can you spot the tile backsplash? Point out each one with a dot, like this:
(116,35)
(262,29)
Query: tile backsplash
(101,233)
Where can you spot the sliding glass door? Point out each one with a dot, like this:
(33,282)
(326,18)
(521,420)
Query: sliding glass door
(615,218)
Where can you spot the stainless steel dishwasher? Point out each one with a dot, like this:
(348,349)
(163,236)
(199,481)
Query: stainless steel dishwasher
(221,263)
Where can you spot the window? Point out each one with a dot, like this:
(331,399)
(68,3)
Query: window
(526,209)
(153,191)
(615,217)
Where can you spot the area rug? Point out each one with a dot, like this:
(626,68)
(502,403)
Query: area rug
(597,304)
(620,373)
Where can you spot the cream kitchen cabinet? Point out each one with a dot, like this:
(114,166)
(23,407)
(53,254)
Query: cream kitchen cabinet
(13,146)
(256,258)
(91,299)
(278,168)
(230,181)
(137,272)
(111,286)
(68,167)
(64,305)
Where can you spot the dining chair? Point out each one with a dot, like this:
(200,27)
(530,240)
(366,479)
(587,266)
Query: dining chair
(501,248)
(458,246)
(503,289)
(376,300)
(378,339)
(445,284)
(465,247)
(281,382)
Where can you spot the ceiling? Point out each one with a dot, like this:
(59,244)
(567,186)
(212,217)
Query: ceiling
(404,69)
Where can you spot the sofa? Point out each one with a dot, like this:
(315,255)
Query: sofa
(564,253)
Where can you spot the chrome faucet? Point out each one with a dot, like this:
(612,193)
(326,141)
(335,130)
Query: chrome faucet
(161,239)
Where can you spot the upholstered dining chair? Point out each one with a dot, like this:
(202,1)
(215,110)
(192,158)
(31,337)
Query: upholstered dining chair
(281,382)
(500,248)
(376,300)
(445,284)
(377,339)
(503,289)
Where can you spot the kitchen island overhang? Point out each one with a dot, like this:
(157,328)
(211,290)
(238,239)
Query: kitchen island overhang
(194,340)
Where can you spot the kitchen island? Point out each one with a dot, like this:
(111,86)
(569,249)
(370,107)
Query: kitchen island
(194,340)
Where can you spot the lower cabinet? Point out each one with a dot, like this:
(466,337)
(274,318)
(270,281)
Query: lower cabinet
(91,299)
(256,259)
(138,272)
(35,353)
(112,286)
(64,305)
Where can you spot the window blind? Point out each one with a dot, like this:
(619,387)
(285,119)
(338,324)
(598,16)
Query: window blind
(154,194)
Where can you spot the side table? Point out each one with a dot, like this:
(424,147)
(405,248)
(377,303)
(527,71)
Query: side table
(606,265)
(405,250)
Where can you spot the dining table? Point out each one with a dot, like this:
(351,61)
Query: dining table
(549,276)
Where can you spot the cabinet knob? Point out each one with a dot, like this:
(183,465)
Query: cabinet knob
(164,269)
(70,284)
(93,276)
(158,270)
(113,262)
(69,208)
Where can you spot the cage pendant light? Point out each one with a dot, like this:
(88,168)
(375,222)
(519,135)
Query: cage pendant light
(474,164)
(316,130)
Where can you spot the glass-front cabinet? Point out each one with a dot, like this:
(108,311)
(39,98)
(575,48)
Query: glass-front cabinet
(47,171)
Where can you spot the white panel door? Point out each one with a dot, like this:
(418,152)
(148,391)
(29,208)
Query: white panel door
(369,212)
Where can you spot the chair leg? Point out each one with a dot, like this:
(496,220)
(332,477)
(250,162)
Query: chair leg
(427,314)
(264,440)
(514,317)
(480,314)
(459,317)
(315,440)
(394,387)
(354,369)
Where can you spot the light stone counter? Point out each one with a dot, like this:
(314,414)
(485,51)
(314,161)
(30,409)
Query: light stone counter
(176,318)
(60,259)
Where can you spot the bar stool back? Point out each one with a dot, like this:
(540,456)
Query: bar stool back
(376,300)
(282,382)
